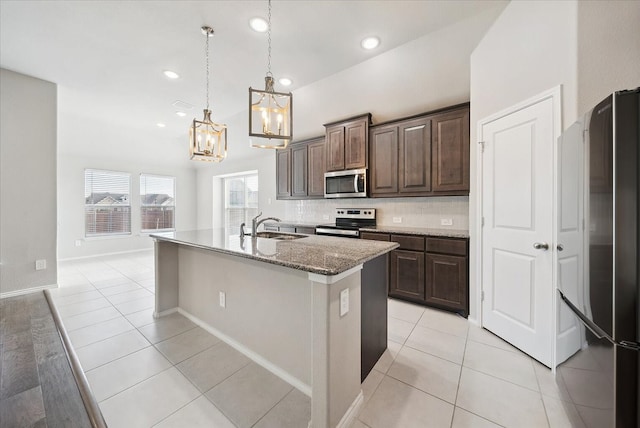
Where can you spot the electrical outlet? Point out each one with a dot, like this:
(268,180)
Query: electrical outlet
(223,299)
(41,264)
(344,302)
(325,217)
(397,219)
(78,242)
(446,222)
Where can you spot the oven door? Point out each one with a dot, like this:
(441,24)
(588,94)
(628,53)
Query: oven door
(346,184)
(335,231)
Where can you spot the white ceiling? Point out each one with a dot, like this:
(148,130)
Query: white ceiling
(108,56)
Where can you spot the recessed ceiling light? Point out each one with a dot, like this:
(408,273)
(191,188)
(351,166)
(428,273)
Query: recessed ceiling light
(370,42)
(285,81)
(258,24)
(171,74)
(161,125)
(181,113)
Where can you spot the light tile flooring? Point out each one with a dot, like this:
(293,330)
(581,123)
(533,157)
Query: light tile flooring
(438,370)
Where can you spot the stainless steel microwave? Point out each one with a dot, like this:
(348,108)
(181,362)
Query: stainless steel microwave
(345,184)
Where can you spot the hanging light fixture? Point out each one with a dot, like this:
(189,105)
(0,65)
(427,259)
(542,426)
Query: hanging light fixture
(270,112)
(208,140)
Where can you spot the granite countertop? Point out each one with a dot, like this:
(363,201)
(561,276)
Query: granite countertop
(293,223)
(421,231)
(324,255)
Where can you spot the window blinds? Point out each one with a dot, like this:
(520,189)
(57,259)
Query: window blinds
(241,200)
(157,201)
(107,203)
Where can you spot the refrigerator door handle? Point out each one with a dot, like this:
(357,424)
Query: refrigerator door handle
(600,333)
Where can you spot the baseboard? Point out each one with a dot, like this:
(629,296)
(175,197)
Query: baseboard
(256,358)
(26,291)
(70,259)
(352,412)
(164,313)
(473,321)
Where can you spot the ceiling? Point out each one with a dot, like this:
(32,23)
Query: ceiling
(108,56)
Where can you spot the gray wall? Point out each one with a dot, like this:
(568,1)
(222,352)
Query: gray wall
(28,213)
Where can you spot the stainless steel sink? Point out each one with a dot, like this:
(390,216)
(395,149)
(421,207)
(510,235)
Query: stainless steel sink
(279,235)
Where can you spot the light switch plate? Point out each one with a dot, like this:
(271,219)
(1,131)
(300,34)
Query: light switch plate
(344,302)
(446,222)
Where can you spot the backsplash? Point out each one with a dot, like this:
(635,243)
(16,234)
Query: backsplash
(414,212)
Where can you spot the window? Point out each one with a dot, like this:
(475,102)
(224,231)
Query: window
(240,200)
(107,210)
(157,202)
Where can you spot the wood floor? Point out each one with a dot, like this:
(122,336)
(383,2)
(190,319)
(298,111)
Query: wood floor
(37,388)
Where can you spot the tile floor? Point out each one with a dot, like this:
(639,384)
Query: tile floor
(438,370)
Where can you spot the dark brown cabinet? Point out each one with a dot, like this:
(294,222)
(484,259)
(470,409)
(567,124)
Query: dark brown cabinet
(383,171)
(347,145)
(283,174)
(426,155)
(316,161)
(431,271)
(414,157)
(300,170)
(450,151)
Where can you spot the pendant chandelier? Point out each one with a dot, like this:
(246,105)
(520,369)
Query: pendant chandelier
(208,140)
(270,112)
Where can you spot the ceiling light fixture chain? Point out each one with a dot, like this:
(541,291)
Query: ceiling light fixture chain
(208,32)
(269,40)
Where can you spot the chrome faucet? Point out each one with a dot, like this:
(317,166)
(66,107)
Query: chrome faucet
(255,223)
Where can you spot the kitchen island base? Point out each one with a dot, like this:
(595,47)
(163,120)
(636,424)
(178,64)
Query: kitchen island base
(287,320)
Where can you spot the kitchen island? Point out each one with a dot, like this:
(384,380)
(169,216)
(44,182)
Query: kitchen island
(291,305)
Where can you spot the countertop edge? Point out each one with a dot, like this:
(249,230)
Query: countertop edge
(296,266)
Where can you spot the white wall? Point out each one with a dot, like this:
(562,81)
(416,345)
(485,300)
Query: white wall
(71,203)
(608,49)
(422,75)
(531,47)
(28,138)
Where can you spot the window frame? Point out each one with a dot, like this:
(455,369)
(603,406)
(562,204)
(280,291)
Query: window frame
(142,205)
(93,206)
(226,206)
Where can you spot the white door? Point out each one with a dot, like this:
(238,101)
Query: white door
(517,210)
(570,242)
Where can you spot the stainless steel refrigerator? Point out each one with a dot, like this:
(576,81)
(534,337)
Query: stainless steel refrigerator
(599,265)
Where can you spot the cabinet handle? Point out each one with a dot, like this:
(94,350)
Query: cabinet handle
(541,246)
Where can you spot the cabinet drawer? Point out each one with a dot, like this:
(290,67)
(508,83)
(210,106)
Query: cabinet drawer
(447,246)
(414,243)
(374,236)
(270,228)
(287,229)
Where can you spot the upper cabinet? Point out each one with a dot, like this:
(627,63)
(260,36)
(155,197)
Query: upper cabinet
(450,151)
(300,170)
(426,155)
(347,143)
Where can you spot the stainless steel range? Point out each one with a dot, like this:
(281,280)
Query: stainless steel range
(348,222)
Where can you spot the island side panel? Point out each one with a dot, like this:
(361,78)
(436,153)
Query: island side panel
(375,289)
(166,268)
(336,351)
(268,307)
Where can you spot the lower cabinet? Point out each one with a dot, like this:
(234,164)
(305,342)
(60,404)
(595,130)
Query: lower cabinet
(290,229)
(428,270)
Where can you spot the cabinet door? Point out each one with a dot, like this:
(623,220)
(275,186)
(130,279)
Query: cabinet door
(299,171)
(315,178)
(355,144)
(407,275)
(414,156)
(335,148)
(283,174)
(383,171)
(373,236)
(450,151)
(446,282)
(306,230)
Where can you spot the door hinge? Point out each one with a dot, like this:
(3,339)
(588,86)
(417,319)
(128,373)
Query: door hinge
(482,221)
(482,296)
(481,146)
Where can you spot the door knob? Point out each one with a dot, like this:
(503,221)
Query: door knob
(541,246)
